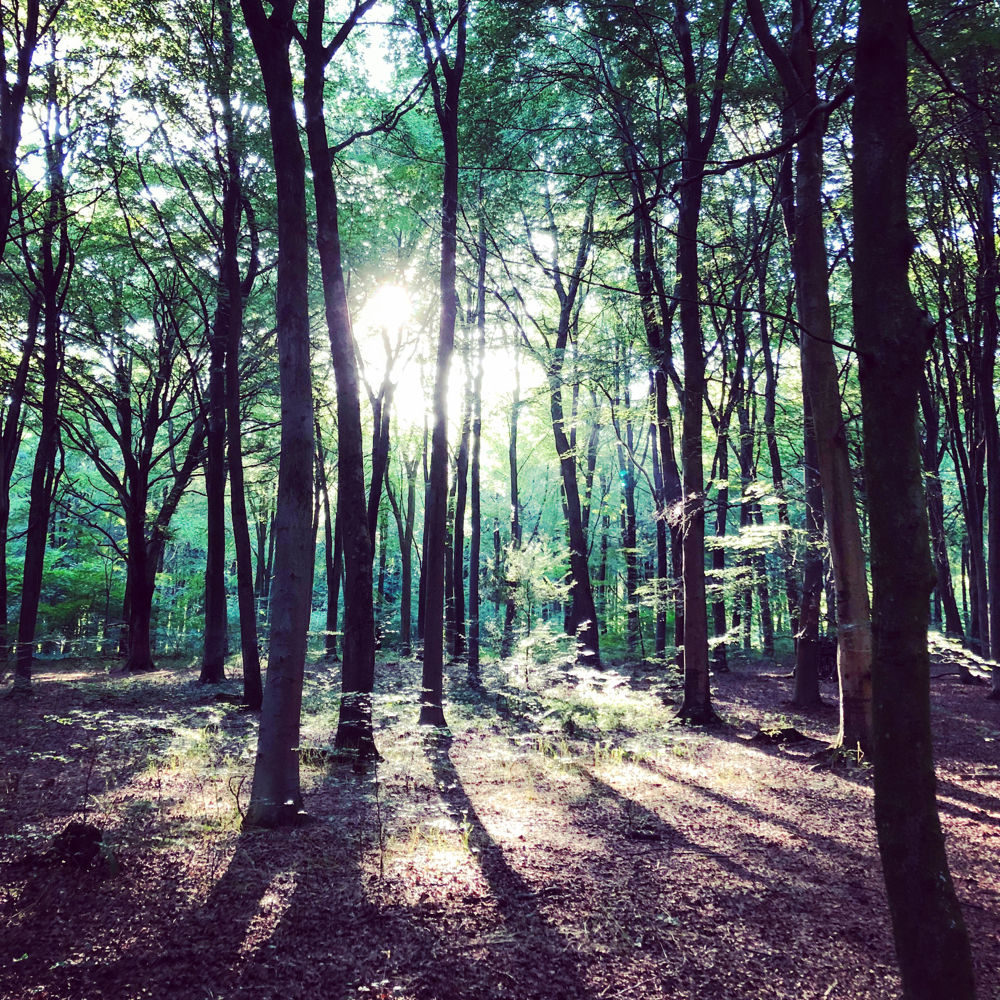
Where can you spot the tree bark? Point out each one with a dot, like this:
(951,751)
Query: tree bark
(56,268)
(276,796)
(216,611)
(893,336)
(448,61)
(797,68)
(10,444)
(699,136)
(475,485)
(807,651)
(354,729)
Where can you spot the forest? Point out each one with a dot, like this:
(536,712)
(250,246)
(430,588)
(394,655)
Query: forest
(499,499)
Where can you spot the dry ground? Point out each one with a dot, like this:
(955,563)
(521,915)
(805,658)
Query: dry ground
(566,840)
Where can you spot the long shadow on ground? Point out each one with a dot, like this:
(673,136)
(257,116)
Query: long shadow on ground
(536,959)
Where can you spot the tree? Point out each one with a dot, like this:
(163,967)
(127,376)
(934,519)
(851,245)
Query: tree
(354,729)
(796,67)
(21,29)
(893,336)
(569,284)
(133,387)
(444,56)
(51,281)
(276,797)
(699,129)
(475,538)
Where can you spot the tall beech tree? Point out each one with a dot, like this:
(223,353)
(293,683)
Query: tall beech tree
(443,45)
(475,470)
(796,66)
(699,126)
(22,27)
(50,278)
(356,521)
(137,390)
(893,336)
(276,796)
(235,287)
(11,429)
(568,283)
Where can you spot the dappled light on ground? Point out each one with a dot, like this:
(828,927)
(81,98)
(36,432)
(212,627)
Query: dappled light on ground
(565,839)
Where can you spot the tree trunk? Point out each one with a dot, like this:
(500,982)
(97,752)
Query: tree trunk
(42,485)
(333,548)
(660,519)
(461,486)
(10,444)
(699,136)
(475,486)
(720,662)
(249,643)
(581,621)
(26,32)
(404,529)
(354,729)
(932,452)
(276,796)
(56,267)
(216,612)
(892,336)
(447,69)
(509,586)
(797,68)
(807,652)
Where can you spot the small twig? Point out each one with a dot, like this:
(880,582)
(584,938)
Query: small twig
(86,786)
(235,792)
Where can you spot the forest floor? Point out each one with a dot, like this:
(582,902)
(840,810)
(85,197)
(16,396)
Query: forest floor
(567,839)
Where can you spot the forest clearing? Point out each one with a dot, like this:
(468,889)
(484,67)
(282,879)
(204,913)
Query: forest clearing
(568,840)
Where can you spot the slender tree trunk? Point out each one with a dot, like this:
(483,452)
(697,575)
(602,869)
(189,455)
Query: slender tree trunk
(892,336)
(720,661)
(405,519)
(581,621)
(931,451)
(56,267)
(276,796)
(28,31)
(458,643)
(510,586)
(249,642)
(699,136)
(447,69)
(660,518)
(354,730)
(42,485)
(628,535)
(807,660)
(10,444)
(332,540)
(216,612)
(797,68)
(236,291)
(987,286)
(476,528)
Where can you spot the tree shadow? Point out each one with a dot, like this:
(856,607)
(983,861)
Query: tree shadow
(541,961)
(643,826)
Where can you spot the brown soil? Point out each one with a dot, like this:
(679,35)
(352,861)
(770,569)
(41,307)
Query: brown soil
(571,843)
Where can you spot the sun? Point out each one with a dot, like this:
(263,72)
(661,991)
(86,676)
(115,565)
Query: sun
(387,310)
(387,337)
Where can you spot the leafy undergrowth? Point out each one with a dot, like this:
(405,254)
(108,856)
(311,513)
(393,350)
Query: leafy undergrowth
(565,839)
